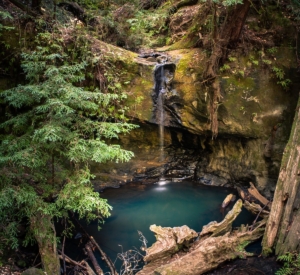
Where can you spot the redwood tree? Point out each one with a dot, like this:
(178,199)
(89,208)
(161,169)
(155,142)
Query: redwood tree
(283,227)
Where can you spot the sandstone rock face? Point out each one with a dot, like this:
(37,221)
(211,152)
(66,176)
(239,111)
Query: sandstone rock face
(254,117)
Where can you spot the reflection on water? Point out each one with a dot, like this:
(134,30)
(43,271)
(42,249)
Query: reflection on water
(171,204)
(161,189)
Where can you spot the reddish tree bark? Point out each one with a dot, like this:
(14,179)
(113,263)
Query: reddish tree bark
(283,227)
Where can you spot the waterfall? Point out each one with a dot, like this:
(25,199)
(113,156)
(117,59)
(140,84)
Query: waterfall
(163,75)
(161,116)
(160,88)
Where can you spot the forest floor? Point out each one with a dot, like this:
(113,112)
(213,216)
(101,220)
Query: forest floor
(251,266)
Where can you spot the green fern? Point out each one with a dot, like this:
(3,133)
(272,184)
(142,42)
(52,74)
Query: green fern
(291,264)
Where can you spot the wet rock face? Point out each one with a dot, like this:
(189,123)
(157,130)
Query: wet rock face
(222,162)
(163,77)
(254,122)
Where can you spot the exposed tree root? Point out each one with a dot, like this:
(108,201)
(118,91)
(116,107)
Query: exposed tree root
(223,38)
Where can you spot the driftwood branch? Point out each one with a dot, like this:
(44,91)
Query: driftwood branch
(86,268)
(256,209)
(90,271)
(217,229)
(89,251)
(72,262)
(105,257)
(255,193)
(259,213)
(103,254)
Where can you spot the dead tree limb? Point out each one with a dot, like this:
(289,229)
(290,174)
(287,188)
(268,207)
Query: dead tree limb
(72,262)
(105,257)
(255,193)
(89,251)
(256,209)
(103,254)
(90,271)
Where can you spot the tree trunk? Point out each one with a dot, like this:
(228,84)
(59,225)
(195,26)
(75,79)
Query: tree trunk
(283,227)
(44,232)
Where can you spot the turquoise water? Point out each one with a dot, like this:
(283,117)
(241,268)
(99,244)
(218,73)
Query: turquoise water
(136,207)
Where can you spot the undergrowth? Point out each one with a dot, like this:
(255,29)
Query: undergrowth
(291,264)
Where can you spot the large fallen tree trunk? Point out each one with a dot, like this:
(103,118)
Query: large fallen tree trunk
(283,227)
(210,250)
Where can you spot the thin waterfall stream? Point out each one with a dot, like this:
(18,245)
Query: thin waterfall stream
(163,76)
(160,108)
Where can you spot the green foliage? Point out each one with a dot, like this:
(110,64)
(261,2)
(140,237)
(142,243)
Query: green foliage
(227,2)
(267,61)
(146,26)
(278,72)
(53,129)
(280,75)
(231,2)
(241,73)
(4,17)
(224,68)
(253,60)
(291,264)
(272,50)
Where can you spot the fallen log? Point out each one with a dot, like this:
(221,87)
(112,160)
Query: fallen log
(103,254)
(227,200)
(70,261)
(255,193)
(85,268)
(241,193)
(89,251)
(256,209)
(217,229)
(210,250)
(105,257)
(169,241)
(89,270)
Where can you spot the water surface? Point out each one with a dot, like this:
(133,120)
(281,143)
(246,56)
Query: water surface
(136,207)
